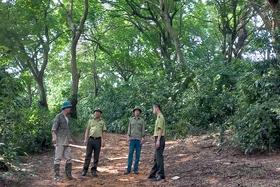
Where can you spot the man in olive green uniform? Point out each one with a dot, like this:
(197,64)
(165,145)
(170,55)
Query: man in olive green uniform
(61,139)
(159,133)
(95,136)
(135,138)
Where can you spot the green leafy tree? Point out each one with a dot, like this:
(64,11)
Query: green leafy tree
(28,37)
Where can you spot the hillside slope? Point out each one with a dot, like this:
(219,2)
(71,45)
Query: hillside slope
(196,160)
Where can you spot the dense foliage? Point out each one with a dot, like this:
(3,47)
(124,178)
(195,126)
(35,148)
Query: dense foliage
(212,65)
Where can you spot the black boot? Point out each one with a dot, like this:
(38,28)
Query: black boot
(68,169)
(56,173)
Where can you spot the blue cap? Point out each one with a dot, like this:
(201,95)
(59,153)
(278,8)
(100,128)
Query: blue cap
(66,105)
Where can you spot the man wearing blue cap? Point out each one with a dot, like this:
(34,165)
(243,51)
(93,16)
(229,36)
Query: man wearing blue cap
(62,139)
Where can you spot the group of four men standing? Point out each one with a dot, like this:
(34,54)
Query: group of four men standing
(95,137)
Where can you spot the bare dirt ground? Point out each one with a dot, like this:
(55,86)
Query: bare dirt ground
(196,160)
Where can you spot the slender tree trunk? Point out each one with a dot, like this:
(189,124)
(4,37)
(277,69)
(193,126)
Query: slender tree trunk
(75,80)
(38,76)
(42,92)
(94,72)
(174,36)
(275,23)
(76,32)
(40,79)
(29,91)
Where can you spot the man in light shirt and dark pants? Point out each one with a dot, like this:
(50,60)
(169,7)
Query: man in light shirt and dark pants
(95,137)
(159,133)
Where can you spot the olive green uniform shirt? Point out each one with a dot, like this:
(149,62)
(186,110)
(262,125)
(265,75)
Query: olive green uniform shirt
(61,128)
(136,128)
(96,127)
(160,124)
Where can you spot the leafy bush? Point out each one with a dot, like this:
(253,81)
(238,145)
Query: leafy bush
(256,127)
(24,129)
(241,96)
(32,133)
(210,101)
(256,122)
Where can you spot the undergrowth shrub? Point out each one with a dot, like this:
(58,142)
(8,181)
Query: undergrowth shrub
(256,123)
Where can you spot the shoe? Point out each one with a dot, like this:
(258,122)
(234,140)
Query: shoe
(84,173)
(126,172)
(151,177)
(158,178)
(94,173)
(58,179)
(136,172)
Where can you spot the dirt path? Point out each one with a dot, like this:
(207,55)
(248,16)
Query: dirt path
(197,161)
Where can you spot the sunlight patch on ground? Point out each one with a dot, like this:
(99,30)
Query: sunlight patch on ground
(107,170)
(77,146)
(28,167)
(171,142)
(118,158)
(80,161)
(212,181)
(181,155)
(78,167)
(123,180)
(129,179)
(184,159)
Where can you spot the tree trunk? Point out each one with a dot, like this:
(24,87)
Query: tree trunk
(275,23)
(76,33)
(29,91)
(94,72)
(42,92)
(174,36)
(75,80)
(186,78)
(38,76)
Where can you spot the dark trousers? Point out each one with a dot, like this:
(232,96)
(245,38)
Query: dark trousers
(158,159)
(93,144)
